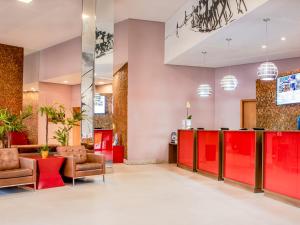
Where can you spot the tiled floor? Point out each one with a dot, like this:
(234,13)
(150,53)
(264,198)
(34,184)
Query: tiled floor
(145,195)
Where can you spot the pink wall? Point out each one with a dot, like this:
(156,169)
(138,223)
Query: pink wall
(62,59)
(47,96)
(120,44)
(158,94)
(76,96)
(227,104)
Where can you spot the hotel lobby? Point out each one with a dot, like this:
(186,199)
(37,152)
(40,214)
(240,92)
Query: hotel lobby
(149,112)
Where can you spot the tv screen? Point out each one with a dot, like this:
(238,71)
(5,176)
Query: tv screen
(288,89)
(99,104)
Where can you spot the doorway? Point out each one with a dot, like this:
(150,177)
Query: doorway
(248,113)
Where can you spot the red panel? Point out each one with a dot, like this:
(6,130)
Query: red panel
(19,138)
(239,156)
(48,172)
(281,163)
(186,148)
(103,143)
(118,154)
(208,151)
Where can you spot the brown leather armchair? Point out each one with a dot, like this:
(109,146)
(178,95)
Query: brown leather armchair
(15,170)
(80,164)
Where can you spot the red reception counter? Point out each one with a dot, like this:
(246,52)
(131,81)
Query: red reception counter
(186,149)
(209,153)
(281,164)
(243,159)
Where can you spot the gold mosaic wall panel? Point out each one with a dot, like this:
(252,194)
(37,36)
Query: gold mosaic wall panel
(120,95)
(11,77)
(269,115)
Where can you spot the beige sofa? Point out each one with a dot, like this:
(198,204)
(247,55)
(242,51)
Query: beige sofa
(15,170)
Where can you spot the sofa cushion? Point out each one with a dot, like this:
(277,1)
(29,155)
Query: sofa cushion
(88,166)
(78,152)
(9,159)
(15,173)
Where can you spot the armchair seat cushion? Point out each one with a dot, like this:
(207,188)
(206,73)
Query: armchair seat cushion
(15,173)
(88,166)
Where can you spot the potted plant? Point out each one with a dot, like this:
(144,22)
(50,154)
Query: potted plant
(10,122)
(62,135)
(44,151)
(56,114)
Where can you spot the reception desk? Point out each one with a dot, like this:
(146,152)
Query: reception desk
(186,149)
(281,165)
(242,158)
(209,153)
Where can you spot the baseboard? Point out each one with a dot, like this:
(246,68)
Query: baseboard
(143,162)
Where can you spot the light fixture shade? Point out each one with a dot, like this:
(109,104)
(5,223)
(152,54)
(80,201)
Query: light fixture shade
(267,71)
(204,90)
(229,83)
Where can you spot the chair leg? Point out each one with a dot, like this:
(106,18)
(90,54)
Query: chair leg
(103,177)
(73,182)
(34,186)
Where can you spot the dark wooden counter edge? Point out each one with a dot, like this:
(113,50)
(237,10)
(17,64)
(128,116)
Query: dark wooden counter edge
(283,198)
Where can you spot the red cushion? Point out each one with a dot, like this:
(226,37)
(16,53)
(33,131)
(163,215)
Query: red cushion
(19,138)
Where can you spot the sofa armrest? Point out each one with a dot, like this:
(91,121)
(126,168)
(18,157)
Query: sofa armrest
(69,167)
(27,163)
(93,158)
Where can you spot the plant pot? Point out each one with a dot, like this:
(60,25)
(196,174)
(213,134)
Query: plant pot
(188,124)
(44,154)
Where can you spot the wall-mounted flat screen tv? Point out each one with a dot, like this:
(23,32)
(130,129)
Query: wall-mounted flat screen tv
(288,89)
(100,105)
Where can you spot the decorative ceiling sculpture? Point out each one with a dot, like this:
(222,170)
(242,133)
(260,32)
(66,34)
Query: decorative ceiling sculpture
(210,15)
(104,43)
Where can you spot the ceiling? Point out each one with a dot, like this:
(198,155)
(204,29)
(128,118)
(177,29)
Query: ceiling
(154,10)
(248,34)
(40,24)
(44,23)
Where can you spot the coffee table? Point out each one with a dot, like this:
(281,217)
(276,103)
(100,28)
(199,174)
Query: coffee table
(48,175)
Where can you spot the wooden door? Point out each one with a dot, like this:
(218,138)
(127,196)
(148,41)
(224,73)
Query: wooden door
(76,130)
(248,113)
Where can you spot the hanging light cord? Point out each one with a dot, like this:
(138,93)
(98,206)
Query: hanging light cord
(267,20)
(228,46)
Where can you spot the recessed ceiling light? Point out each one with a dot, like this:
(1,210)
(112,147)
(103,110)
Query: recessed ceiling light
(85,16)
(33,89)
(283,38)
(25,1)
(100,83)
(264,46)
(66,81)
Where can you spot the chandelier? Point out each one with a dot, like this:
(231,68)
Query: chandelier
(267,71)
(204,90)
(229,83)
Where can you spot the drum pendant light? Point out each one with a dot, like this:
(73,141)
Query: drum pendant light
(267,71)
(204,90)
(229,82)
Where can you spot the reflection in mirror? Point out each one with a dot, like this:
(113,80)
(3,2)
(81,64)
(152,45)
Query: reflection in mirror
(87,75)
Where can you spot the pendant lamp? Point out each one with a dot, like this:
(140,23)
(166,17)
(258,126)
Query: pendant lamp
(267,71)
(229,82)
(204,90)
